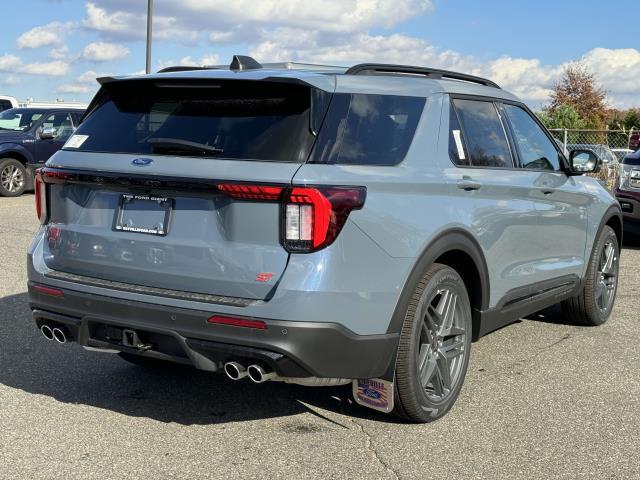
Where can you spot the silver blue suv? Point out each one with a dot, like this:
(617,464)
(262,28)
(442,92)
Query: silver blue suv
(316,225)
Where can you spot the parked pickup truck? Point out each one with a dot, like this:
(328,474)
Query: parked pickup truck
(28,137)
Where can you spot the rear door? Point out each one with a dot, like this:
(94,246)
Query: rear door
(177,186)
(494,197)
(561,202)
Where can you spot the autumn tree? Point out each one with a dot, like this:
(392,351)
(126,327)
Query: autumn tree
(578,89)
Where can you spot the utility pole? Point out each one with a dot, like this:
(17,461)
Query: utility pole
(149,24)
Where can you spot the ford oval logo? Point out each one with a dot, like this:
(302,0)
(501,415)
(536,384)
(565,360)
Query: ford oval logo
(141,162)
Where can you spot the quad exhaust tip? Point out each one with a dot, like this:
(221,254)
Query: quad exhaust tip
(257,374)
(51,332)
(59,335)
(235,371)
(47,332)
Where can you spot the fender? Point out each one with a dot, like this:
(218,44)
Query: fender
(449,240)
(454,239)
(13,147)
(612,211)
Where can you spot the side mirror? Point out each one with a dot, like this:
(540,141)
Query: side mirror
(47,133)
(583,161)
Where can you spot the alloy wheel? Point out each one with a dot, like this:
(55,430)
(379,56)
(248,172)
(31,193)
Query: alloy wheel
(441,346)
(12,178)
(606,284)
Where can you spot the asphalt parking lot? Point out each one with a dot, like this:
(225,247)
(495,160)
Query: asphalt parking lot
(542,399)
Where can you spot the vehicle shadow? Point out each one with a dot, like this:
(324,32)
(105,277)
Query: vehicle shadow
(631,241)
(176,393)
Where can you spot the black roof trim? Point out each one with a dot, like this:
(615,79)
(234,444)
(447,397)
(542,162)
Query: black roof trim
(184,68)
(382,68)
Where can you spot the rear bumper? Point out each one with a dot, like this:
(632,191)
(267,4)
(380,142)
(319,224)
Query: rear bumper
(292,349)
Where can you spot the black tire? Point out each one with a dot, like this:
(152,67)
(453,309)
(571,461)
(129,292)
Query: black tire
(142,361)
(13,177)
(593,305)
(414,399)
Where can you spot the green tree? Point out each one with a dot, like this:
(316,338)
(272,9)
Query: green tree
(578,89)
(632,119)
(562,116)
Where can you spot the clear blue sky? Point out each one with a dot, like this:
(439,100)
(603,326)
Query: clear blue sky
(523,45)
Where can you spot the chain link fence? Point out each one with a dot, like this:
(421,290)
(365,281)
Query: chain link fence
(598,141)
(609,138)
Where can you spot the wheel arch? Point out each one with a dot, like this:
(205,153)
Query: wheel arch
(17,152)
(457,249)
(613,219)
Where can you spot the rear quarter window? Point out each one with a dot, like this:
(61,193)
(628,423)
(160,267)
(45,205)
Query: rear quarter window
(364,129)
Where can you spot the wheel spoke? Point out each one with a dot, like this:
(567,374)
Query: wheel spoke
(427,373)
(444,373)
(446,309)
(609,259)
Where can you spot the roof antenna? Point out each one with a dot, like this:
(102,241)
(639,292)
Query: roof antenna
(243,62)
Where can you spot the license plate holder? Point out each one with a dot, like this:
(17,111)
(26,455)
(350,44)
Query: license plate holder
(148,214)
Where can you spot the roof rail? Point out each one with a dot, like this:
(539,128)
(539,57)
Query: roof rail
(374,68)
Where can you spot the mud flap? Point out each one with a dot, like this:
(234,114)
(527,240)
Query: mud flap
(374,393)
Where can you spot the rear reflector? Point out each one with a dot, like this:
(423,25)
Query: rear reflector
(54,292)
(238,322)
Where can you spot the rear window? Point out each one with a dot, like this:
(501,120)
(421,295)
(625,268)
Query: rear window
(363,129)
(227,119)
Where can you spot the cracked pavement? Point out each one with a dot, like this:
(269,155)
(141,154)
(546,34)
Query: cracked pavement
(542,399)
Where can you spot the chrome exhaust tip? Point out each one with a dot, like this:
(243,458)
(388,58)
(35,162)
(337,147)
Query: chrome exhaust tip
(46,332)
(257,374)
(235,371)
(59,335)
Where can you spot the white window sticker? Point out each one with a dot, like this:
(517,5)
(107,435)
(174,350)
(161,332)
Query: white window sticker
(75,141)
(458,139)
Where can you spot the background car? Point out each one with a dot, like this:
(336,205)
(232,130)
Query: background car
(609,171)
(620,153)
(628,192)
(28,137)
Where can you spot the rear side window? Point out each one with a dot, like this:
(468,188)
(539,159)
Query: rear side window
(537,152)
(484,136)
(5,105)
(364,129)
(246,120)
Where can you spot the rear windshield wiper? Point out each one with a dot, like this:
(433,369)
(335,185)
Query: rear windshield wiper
(179,145)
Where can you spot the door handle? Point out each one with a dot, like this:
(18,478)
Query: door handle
(468,185)
(547,192)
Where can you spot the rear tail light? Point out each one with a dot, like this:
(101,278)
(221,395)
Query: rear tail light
(237,322)
(314,216)
(41,198)
(251,192)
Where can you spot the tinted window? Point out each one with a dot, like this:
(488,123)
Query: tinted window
(484,134)
(5,105)
(61,122)
(457,151)
(19,118)
(368,129)
(536,150)
(226,119)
